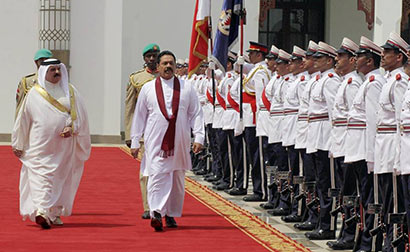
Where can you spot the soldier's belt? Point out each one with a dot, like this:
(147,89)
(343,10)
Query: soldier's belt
(303,117)
(405,128)
(317,118)
(291,111)
(386,129)
(339,122)
(356,125)
(262,108)
(276,113)
(218,105)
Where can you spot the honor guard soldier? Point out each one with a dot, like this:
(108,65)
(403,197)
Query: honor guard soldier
(291,107)
(268,149)
(233,156)
(311,214)
(322,97)
(136,81)
(274,93)
(394,56)
(253,85)
(361,134)
(29,80)
(404,150)
(346,67)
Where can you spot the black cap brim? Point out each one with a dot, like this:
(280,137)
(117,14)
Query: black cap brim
(343,50)
(310,53)
(294,57)
(319,54)
(389,46)
(279,61)
(362,50)
(271,56)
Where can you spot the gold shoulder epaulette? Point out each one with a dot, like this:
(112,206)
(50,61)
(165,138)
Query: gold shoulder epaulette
(24,82)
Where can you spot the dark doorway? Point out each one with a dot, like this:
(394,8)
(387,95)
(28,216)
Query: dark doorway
(293,22)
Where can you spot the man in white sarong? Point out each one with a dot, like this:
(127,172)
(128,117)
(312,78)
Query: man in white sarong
(52,140)
(166,111)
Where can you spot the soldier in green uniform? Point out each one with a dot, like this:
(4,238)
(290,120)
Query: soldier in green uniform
(137,80)
(29,80)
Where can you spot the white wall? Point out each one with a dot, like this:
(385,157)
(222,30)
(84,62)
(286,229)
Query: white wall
(387,19)
(342,19)
(19,41)
(95,58)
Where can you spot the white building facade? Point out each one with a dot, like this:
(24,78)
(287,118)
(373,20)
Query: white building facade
(106,38)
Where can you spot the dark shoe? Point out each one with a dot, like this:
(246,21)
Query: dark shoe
(170,222)
(156,222)
(306,226)
(221,187)
(253,198)
(292,218)
(146,215)
(340,245)
(268,205)
(237,191)
(213,178)
(279,211)
(217,182)
(321,235)
(200,172)
(43,221)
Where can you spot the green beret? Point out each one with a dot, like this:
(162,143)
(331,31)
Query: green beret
(43,53)
(150,48)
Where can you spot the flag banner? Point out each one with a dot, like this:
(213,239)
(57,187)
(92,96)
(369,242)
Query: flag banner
(227,32)
(199,39)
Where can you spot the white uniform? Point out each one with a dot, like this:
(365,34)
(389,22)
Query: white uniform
(387,137)
(404,148)
(260,80)
(343,102)
(361,132)
(230,117)
(276,92)
(302,123)
(165,183)
(322,97)
(291,108)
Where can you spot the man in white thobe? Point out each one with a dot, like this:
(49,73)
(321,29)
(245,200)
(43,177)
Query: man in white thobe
(52,140)
(166,111)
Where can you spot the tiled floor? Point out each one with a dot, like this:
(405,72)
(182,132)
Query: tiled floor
(276,222)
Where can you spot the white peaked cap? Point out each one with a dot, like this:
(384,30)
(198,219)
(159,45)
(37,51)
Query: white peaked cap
(325,49)
(366,45)
(348,46)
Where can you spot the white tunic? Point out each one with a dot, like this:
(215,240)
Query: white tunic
(259,80)
(291,108)
(404,149)
(149,122)
(343,102)
(391,97)
(360,141)
(230,117)
(275,93)
(302,123)
(204,84)
(322,97)
(52,165)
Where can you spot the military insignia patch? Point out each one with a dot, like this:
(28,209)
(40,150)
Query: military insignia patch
(225,22)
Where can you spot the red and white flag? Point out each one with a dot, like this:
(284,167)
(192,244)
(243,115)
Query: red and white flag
(200,35)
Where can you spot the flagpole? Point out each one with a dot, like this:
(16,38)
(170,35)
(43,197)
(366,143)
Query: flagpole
(213,68)
(241,17)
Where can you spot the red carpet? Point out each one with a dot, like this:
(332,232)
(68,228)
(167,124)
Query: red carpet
(107,210)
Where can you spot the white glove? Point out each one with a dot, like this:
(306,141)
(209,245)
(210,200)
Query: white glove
(211,65)
(240,60)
